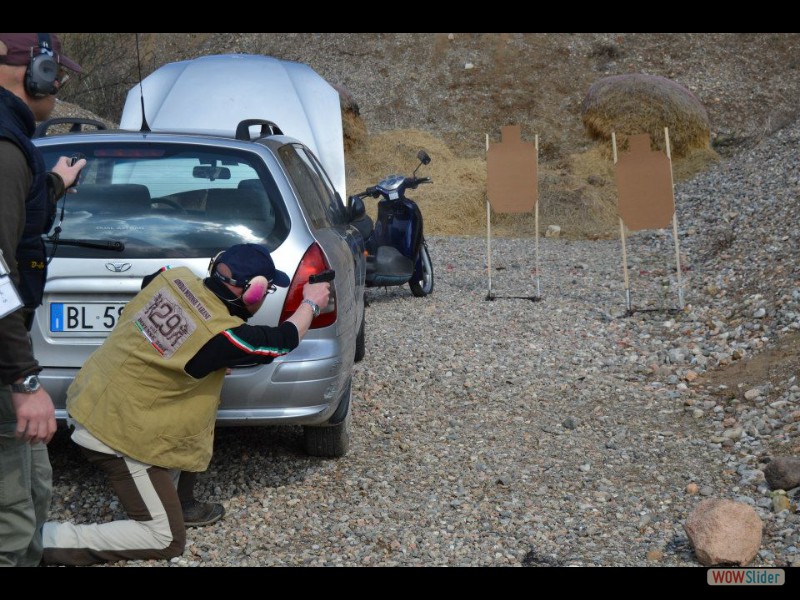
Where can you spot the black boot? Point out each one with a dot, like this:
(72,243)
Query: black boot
(196,513)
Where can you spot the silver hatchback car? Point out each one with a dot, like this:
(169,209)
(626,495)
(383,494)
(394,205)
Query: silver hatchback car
(147,199)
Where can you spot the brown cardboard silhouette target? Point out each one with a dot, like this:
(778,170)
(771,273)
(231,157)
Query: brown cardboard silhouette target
(511,173)
(644,185)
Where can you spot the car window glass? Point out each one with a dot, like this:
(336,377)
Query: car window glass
(334,205)
(178,174)
(170,200)
(311,189)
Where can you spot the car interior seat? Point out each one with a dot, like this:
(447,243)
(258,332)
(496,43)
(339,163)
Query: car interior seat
(111,200)
(248,202)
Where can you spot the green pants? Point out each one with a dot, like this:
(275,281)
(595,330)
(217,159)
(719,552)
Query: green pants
(26,487)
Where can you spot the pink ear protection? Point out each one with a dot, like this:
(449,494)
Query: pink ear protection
(255,290)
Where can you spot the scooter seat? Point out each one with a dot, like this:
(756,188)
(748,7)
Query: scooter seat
(390,267)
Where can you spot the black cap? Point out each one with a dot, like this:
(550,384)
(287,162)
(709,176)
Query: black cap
(250,260)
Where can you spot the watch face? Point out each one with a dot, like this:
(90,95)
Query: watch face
(29,385)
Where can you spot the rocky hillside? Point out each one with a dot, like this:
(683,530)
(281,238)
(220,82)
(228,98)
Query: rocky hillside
(446,92)
(460,86)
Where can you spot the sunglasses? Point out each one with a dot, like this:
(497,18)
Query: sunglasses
(62,76)
(245,285)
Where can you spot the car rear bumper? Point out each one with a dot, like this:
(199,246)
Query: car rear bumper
(300,392)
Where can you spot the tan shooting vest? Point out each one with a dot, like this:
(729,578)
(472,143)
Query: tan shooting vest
(133,393)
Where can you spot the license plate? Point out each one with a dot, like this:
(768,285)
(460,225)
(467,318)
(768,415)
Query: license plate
(84,316)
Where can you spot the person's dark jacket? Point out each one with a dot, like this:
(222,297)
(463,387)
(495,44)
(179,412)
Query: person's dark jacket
(27,205)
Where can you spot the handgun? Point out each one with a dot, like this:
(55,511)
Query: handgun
(321,277)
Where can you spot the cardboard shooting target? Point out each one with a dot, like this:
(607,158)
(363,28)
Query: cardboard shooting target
(644,184)
(511,177)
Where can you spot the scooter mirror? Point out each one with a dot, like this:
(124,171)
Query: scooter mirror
(423,157)
(357,208)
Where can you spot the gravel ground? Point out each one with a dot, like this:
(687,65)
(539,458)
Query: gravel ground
(558,432)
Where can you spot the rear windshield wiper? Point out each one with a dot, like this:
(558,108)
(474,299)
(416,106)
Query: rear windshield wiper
(98,244)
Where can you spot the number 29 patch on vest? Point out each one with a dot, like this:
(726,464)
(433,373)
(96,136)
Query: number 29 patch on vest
(164,323)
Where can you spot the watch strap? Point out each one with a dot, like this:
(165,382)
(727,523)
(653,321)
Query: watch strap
(314,306)
(29,385)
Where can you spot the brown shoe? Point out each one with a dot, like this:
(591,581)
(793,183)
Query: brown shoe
(199,514)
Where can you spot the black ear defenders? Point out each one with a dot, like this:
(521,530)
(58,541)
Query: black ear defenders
(42,72)
(255,289)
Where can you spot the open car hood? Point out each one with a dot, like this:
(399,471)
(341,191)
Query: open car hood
(212,94)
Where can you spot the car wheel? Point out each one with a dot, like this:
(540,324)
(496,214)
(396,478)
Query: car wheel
(361,337)
(331,441)
(422,282)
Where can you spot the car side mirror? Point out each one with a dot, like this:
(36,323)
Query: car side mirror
(356,209)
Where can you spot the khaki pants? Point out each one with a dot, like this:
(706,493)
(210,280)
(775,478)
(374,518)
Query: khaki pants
(154,528)
(26,487)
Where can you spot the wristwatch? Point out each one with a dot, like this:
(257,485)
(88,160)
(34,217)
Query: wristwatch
(314,306)
(29,385)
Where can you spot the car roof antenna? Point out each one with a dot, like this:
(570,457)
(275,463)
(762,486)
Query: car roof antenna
(145,127)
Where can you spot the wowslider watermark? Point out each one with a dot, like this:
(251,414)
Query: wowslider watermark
(746,577)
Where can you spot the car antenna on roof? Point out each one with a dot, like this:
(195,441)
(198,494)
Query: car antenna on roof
(145,127)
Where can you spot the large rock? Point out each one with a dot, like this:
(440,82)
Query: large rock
(724,532)
(783,473)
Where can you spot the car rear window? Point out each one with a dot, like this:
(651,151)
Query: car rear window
(168,200)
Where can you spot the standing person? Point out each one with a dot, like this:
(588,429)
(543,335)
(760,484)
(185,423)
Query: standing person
(32,71)
(144,404)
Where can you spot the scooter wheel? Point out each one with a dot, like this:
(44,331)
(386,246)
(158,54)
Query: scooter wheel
(421,283)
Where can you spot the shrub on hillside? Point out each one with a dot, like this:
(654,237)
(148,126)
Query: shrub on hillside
(109,71)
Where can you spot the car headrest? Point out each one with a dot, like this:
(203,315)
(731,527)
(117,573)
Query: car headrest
(232,204)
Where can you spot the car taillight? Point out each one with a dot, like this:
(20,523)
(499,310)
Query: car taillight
(313,262)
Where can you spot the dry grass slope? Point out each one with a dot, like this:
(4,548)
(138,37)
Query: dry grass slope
(577,193)
(453,205)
